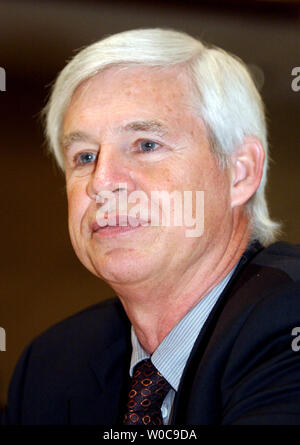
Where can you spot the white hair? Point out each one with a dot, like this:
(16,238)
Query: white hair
(225,95)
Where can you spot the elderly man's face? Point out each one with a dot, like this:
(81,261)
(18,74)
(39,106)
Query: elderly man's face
(136,127)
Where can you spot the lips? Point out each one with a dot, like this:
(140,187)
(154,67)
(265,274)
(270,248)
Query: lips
(112,221)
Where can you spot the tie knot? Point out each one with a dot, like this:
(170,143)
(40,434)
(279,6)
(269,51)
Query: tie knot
(148,390)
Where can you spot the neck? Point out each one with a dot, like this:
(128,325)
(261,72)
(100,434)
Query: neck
(164,304)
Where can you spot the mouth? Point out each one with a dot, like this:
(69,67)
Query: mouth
(114,225)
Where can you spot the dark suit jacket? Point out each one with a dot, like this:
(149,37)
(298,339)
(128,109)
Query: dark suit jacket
(242,369)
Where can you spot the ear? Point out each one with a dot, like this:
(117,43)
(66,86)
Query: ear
(246,170)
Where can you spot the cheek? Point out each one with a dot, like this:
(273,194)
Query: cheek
(77,205)
(217,200)
(158,176)
(205,175)
(173,173)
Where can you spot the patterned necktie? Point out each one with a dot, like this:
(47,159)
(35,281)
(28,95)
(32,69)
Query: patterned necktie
(148,390)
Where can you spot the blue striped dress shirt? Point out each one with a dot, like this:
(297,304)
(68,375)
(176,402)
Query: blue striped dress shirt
(171,355)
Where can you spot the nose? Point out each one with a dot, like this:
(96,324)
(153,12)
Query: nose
(112,173)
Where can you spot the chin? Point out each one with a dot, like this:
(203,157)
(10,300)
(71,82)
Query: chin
(124,266)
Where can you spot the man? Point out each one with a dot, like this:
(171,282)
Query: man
(155,110)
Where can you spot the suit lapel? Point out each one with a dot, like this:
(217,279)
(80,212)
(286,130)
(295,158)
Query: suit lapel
(110,368)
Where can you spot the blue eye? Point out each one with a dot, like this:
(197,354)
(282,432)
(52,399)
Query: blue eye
(148,145)
(86,158)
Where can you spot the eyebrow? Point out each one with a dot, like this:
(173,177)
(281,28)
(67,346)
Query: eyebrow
(147,125)
(76,136)
(152,125)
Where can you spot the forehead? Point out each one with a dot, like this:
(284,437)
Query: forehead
(121,88)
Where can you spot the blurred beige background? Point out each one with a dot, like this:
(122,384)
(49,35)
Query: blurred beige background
(42,280)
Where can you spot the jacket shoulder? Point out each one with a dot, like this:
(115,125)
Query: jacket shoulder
(268,271)
(284,257)
(100,324)
(58,364)
(260,382)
